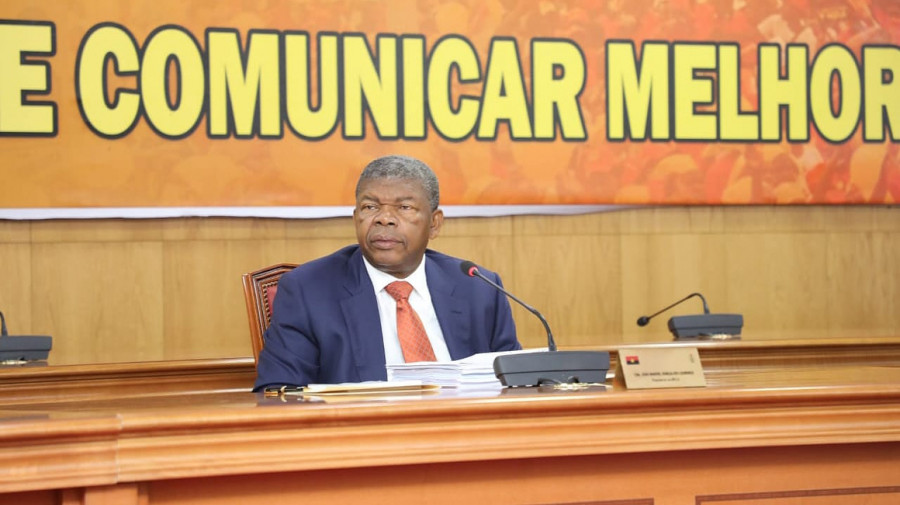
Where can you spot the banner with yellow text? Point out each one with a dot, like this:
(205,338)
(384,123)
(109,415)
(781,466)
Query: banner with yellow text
(109,106)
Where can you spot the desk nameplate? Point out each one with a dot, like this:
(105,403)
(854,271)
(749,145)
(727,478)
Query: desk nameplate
(650,368)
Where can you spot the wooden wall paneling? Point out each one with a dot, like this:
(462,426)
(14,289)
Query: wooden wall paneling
(308,239)
(778,281)
(860,218)
(640,292)
(14,231)
(330,228)
(795,272)
(96,230)
(204,260)
(487,242)
(222,228)
(492,251)
(596,223)
(476,227)
(537,242)
(303,250)
(656,220)
(788,219)
(15,275)
(15,288)
(205,315)
(573,279)
(484,241)
(863,270)
(668,253)
(660,269)
(101,301)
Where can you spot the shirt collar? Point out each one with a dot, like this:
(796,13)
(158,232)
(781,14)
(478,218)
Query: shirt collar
(381,279)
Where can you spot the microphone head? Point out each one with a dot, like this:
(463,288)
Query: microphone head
(643,320)
(468,268)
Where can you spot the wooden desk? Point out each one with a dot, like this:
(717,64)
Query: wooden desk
(820,432)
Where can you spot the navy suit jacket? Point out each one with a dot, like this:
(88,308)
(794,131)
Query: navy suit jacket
(326,328)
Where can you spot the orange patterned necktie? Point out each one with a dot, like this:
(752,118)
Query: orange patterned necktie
(413,339)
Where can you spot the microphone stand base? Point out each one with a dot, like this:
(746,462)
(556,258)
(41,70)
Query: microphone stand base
(706,325)
(25,347)
(551,367)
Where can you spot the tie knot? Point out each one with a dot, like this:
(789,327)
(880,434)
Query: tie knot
(400,290)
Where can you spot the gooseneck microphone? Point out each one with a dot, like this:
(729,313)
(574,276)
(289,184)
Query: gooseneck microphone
(471,269)
(550,367)
(643,320)
(706,325)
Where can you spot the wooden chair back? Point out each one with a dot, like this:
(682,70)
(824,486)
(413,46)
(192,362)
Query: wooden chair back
(260,287)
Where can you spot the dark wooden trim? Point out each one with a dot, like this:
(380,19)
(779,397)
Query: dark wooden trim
(802,493)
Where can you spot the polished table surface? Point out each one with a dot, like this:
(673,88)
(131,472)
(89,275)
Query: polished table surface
(149,430)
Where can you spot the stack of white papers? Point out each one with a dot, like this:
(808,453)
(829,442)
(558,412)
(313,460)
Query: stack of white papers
(474,372)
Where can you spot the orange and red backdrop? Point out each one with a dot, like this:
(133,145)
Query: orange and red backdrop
(109,105)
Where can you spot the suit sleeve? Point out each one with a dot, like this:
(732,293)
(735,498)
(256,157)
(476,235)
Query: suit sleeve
(290,354)
(504,336)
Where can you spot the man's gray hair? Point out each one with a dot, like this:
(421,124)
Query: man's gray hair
(402,167)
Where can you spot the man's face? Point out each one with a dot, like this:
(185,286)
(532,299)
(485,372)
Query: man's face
(394,223)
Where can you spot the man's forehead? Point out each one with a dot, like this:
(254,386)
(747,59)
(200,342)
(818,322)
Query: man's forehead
(392,189)
(389,199)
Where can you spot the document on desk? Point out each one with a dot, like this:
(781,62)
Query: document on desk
(474,372)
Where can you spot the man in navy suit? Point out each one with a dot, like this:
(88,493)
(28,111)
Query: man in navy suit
(333,320)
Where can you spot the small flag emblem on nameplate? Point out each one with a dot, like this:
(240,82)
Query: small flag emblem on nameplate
(632,360)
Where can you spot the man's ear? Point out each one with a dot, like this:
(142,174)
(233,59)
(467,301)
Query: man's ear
(437,220)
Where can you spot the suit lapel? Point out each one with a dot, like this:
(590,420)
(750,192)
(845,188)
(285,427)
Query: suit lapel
(360,311)
(451,310)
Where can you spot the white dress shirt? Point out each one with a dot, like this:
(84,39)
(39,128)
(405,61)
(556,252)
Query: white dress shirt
(419,299)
